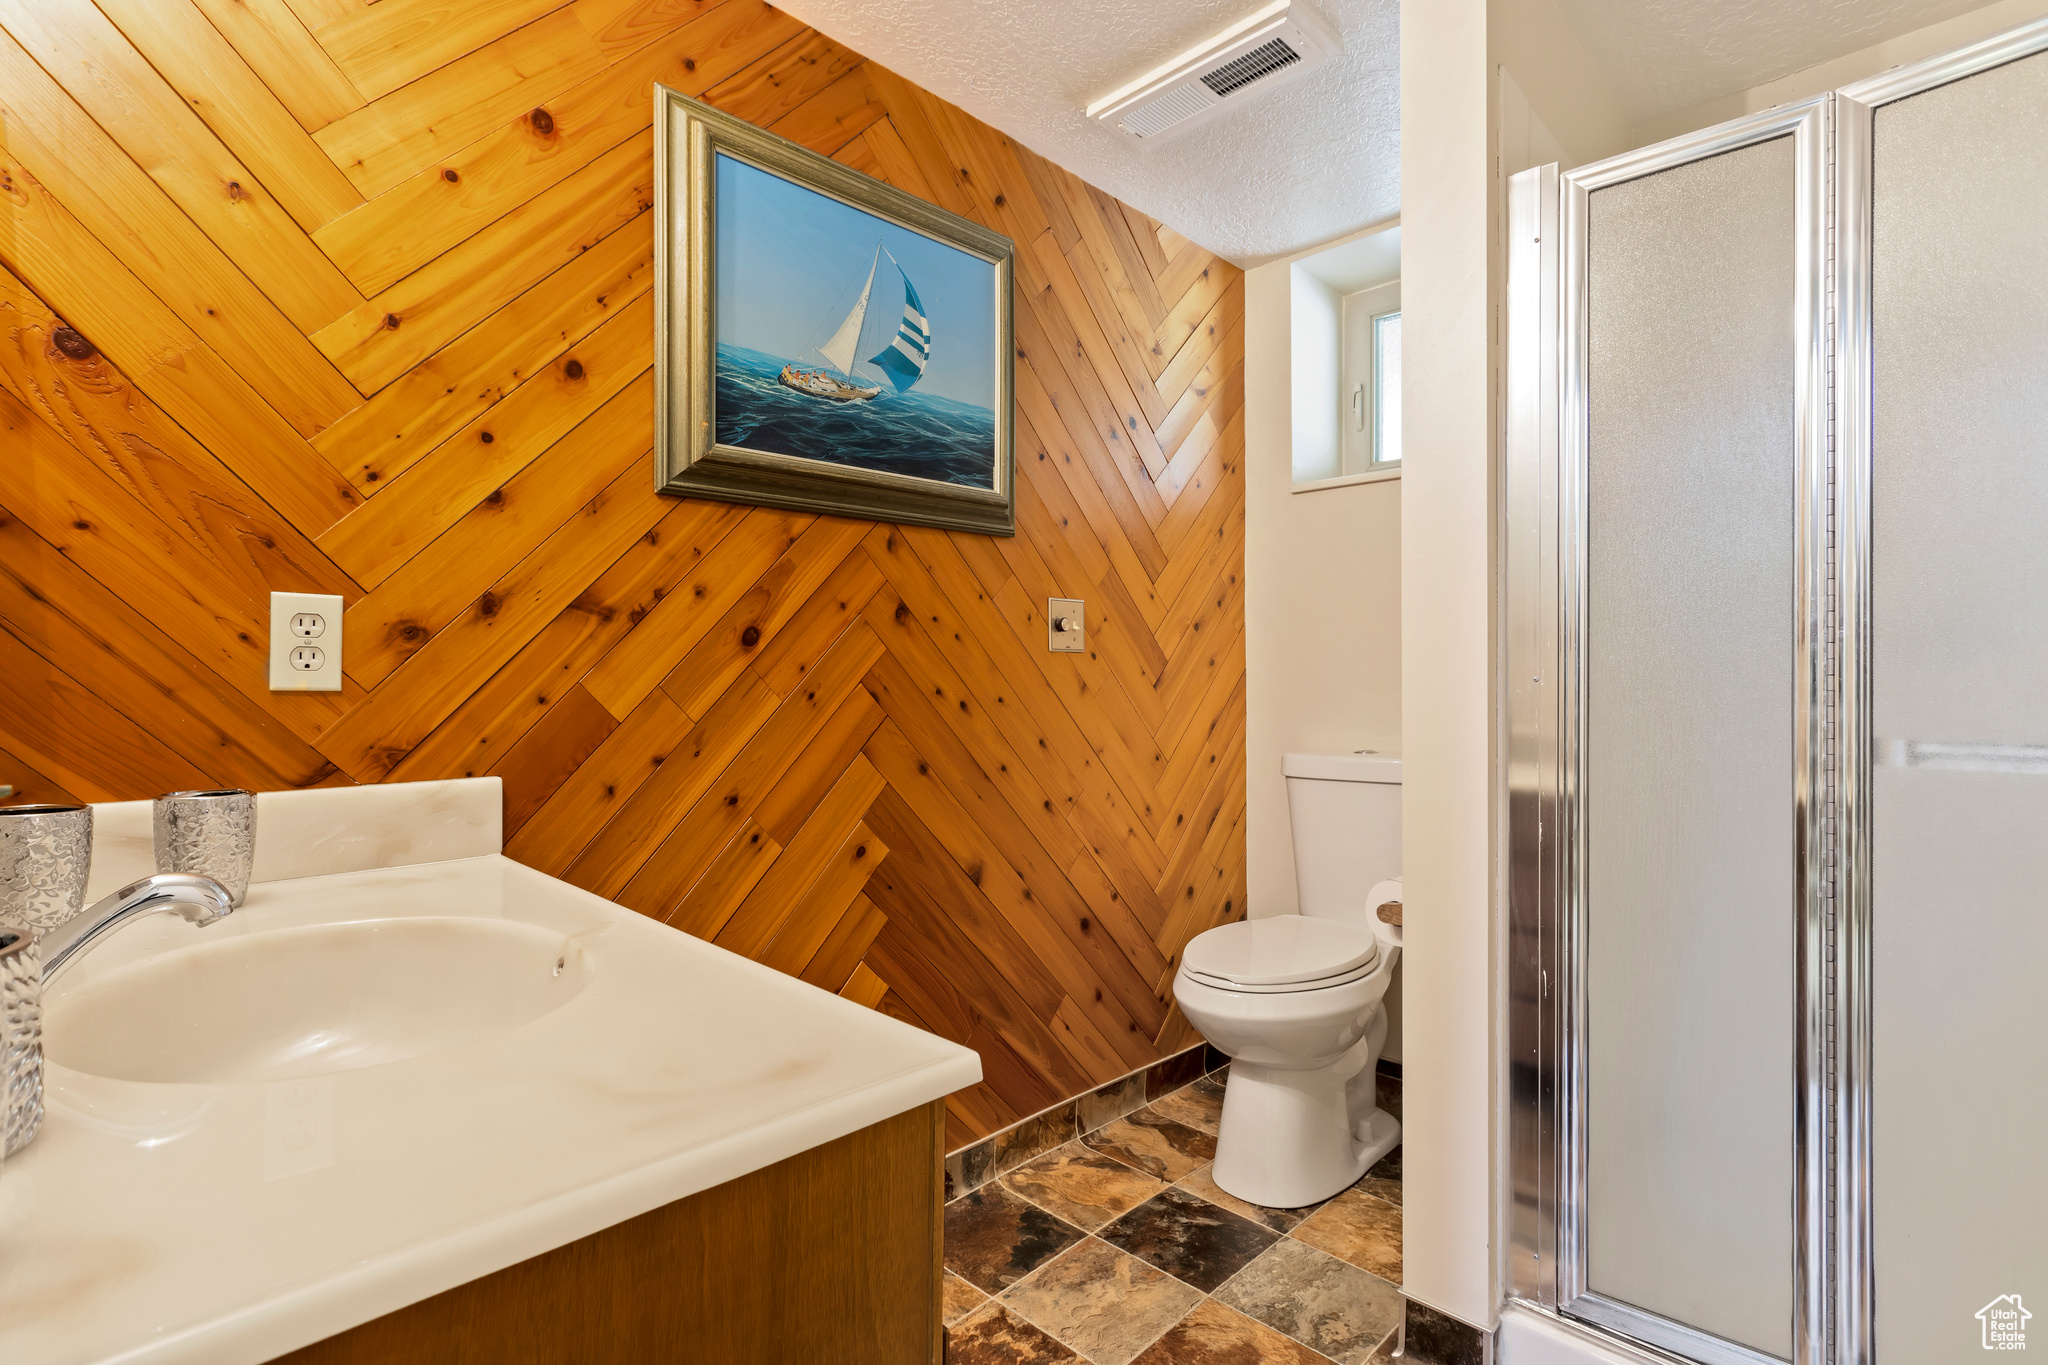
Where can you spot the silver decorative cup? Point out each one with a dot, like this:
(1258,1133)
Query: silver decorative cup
(45,857)
(21,1039)
(211,834)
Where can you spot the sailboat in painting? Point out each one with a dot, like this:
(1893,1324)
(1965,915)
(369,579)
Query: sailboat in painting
(902,361)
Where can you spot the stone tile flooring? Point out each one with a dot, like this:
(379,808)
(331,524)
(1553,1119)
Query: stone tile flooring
(1118,1249)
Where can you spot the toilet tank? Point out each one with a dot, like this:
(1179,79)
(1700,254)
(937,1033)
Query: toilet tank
(1345,814)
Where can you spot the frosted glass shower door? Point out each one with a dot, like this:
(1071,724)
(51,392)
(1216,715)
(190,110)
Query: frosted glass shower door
(1777,665)
(1958,677)
(1691,617)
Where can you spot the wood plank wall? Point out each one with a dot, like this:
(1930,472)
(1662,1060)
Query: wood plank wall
(330,296)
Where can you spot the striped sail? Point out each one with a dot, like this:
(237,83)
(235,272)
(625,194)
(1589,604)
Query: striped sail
(904,358)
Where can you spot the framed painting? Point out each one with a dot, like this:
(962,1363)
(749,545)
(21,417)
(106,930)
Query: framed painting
(824,342)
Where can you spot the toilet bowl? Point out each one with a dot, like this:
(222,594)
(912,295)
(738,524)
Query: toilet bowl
(1295,1000)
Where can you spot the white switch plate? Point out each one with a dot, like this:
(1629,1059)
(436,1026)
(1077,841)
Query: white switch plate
(1070,609)
(305,642)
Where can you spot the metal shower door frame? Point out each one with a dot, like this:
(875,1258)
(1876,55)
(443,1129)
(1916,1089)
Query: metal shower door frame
(1854,380)
(1532,648)
(1544,507)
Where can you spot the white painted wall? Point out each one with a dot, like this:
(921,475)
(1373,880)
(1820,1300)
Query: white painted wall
(1457,58)
(1573,115)
(1868,61)
(1314,331)
(1322,609)
(1446,652)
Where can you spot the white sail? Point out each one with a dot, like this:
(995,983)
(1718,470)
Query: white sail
(839,350)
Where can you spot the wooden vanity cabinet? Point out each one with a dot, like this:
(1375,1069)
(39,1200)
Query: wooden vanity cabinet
(832,1255)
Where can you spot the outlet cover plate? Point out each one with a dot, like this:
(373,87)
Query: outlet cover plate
(325,633)
(1066,641)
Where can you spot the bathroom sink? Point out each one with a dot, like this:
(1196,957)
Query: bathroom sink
(311,1001)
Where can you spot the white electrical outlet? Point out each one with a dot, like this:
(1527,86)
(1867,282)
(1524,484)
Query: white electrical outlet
(297,664)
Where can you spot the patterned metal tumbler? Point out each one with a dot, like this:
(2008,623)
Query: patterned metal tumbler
(21,1038)
(45,857)
(211,834)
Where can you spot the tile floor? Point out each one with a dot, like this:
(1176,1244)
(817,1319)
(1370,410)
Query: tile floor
(1118,1249)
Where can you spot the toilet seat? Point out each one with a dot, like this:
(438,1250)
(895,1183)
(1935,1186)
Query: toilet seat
(1285,987)
(1281,954)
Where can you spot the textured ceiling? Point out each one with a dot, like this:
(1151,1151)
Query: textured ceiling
(1320,157)
(1661,55)
(1316,159)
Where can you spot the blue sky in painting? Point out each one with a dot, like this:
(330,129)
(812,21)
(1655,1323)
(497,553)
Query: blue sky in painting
(789,263)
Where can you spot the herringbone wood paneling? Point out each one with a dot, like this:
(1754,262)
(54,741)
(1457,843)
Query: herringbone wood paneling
(322,295)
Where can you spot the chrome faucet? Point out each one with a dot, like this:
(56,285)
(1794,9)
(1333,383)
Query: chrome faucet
(201,900)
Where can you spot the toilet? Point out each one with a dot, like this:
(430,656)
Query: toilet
(1294,1000)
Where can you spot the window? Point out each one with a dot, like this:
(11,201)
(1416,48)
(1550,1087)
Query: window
(1335,332)
(1386,389)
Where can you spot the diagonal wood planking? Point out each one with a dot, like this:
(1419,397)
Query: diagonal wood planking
(322,295)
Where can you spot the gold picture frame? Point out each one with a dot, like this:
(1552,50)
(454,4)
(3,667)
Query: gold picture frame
(689,459)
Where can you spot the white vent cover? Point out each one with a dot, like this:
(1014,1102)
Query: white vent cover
(1255,54)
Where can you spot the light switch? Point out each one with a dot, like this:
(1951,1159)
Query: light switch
(1064,625)
(305,642)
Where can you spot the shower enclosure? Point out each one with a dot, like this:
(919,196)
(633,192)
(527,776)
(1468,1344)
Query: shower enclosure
(1776,658)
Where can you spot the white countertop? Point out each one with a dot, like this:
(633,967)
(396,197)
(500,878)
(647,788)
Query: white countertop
(232,1223)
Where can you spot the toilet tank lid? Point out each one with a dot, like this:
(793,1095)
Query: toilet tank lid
(1366,765)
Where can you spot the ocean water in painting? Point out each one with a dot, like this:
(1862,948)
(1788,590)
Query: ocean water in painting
(912,432)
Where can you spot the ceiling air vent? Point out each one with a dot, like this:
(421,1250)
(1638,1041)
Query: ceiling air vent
(1261,62)
(1259,53)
